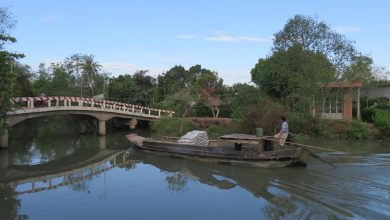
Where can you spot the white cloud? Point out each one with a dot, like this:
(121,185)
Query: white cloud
(222,38)
(231,38)
(119,68)
(346,29)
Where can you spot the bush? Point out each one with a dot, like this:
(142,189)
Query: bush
(214,131)
(381,120)
(174,127)
(264,115)
(357,131)
(368,114)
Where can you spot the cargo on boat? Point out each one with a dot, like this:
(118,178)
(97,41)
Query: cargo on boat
(235,149)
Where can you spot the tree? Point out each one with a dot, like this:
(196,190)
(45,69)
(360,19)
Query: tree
(361,70)
(90,69)
(6,21)
(172,81)
(73,65)
(316,36)
(292,72)
(209,86)
(7,61)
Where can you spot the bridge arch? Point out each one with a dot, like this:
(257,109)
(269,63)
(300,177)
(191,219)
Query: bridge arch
(102,110)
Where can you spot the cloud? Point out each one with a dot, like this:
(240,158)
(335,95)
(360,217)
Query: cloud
(119,68)
(345,29)
(222,38)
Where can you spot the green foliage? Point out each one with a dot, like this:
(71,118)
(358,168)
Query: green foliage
(214,131)
(266,114)
(381,120)
(171,127)
(357,131)
(292,72)
(367,114)
(314,35)
(360,70)
(306,124)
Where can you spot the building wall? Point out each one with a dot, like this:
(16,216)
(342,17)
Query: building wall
(347,114)
(383,91)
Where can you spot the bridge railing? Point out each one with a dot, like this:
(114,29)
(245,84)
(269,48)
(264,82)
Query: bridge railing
(66,101)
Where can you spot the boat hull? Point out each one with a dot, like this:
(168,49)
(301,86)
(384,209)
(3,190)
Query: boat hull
(223,152)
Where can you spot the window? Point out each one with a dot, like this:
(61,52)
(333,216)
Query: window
(333,104)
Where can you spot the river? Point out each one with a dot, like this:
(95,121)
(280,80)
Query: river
(55,173)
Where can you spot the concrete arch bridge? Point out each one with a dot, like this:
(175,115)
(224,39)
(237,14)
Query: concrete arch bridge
(23,108)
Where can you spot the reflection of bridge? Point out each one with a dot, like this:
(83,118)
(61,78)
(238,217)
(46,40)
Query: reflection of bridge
(43,182)
(103,110)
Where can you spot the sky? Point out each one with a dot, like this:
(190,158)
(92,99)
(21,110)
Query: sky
(226,36)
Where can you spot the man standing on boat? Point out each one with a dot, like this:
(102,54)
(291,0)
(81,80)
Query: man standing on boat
(283,133)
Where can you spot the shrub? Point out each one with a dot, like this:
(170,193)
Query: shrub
(172,127)
(264,115)
(368,114)
(215,131)
(357,131)
(381,120)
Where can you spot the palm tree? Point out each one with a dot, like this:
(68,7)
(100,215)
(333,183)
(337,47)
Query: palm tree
(90,68)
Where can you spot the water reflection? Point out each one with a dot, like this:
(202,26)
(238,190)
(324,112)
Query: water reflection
(101,178)
(319,191)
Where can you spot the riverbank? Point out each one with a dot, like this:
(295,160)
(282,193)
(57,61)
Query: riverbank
(303,131)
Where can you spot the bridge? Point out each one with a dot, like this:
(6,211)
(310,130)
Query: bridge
(23,108)
(36,180)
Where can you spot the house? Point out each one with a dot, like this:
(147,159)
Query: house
(336,100)
(376,91)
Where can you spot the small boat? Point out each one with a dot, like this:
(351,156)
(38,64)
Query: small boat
(235,149)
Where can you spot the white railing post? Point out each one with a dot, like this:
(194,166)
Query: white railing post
(92,104)
(159,113)
(132,109)
(149,111)
(57,102)
(32,104)
(104,104)
(48,102)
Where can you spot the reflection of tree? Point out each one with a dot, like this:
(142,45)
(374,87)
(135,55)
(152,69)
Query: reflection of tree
(9,204)
(43,137)
(79,182)
(177,182)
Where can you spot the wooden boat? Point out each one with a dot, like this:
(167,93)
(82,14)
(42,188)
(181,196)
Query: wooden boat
(236,149)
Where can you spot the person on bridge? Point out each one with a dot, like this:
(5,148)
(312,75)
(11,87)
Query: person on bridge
(283,133)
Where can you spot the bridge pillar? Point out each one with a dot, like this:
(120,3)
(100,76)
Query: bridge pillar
(83,127)
(102,127)
(3,137)
(133,123)
(4,158)
(102,142)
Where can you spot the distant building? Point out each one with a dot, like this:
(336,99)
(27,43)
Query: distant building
(381,90)
(337,100)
